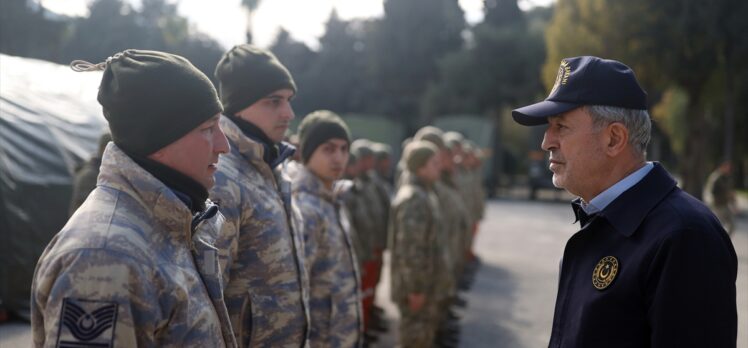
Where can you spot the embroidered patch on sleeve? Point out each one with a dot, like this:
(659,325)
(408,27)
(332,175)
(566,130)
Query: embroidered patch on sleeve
(85,323)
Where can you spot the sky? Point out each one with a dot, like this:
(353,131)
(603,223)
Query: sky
(226,20)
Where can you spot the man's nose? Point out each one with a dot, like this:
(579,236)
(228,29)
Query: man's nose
(288,113)
(550,142)
(221,142)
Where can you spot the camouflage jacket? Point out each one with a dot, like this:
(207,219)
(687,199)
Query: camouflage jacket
(131,269)
(335,299)
(455,228)
(350,195)
(383,192)
(369,214)
(415,252)
(267,292)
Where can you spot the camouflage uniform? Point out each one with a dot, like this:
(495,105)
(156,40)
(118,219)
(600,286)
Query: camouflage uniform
(455,226)
(415,260)
(335,300)
(133,268)
(373,224)
(347,192)
(267,292)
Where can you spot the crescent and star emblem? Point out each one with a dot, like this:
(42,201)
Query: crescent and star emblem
(605,272)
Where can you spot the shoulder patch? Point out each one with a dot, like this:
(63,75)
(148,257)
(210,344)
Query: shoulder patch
(86,323)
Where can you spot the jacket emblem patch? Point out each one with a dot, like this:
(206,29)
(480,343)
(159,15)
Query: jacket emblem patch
(85,323)
(605,272)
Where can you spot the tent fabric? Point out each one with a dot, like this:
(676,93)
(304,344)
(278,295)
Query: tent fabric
(50,122)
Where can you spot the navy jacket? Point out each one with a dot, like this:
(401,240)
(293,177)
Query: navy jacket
(670,281)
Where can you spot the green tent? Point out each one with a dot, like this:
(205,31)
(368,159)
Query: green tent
(49,123)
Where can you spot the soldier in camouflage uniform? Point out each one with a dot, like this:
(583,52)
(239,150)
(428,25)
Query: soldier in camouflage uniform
(335,298)
(140,263)
(454,229)
(474,169)
(383,164)
(369,218)
(415,251)
(461,178)
(454,211)
(350,198)
(267,292)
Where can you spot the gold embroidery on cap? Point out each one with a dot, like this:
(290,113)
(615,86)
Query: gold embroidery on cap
(605,272)
(562,77)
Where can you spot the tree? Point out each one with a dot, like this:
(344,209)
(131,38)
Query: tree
(27,30)
(405,47)
(337,77)
(114,26)
(668,43)
(250,6)
(499,70)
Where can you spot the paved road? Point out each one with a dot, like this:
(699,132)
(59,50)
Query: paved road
(510,305)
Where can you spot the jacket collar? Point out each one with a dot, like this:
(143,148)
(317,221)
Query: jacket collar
(120,172)
(627,212)
(273,154)
(306,181)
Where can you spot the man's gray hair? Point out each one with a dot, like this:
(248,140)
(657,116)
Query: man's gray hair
(637,122)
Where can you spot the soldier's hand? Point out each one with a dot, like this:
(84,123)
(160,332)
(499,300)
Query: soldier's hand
(416,301)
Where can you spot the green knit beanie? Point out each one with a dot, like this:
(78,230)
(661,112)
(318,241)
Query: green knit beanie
(362,148)
(247,74)
(381,150)
(317,128)
(431,134)
(153,98)
(417,153)
(453,139)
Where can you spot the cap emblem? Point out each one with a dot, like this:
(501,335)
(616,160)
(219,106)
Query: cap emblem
(562,77)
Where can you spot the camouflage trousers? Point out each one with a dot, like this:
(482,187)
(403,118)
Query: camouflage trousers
(418,329)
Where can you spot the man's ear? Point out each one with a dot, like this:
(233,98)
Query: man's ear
(618,138)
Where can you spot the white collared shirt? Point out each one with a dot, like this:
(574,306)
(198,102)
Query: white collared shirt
(602,200)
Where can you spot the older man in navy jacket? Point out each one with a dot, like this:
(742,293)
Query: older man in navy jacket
(651,266)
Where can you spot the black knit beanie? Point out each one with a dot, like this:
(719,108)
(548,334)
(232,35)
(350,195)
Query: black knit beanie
(152,99)
(246,74)
(317,128)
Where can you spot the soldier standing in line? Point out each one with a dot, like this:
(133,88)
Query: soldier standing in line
(138,264)
(369,221)
(415,251)
(348,193)
(380,177)
(456,220)
(383,164)
(267,292)
(477,205)
(460,178)
(335,298)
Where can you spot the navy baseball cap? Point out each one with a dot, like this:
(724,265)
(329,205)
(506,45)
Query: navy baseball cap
(586,80)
